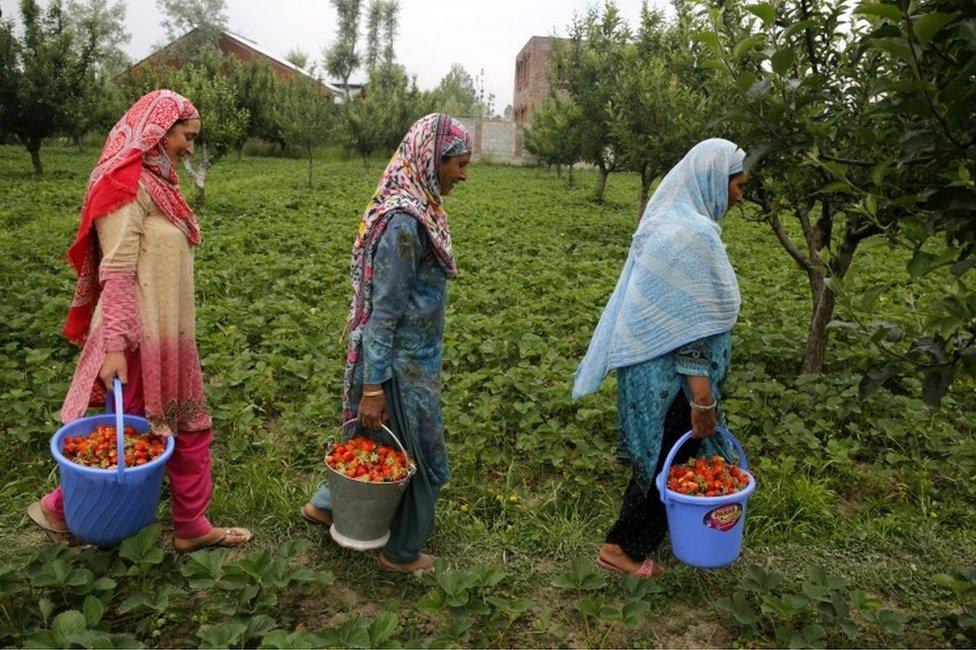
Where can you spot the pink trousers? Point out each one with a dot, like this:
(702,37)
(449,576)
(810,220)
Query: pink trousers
(188,469)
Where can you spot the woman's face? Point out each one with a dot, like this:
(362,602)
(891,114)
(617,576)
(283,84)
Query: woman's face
(452,170)
(178,141)
(735,187)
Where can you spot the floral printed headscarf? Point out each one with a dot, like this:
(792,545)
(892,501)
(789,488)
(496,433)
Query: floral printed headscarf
(410,184)
(133,154)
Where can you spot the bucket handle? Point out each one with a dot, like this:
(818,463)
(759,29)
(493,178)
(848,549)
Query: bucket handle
(743,463)
(119,427)
(413,467)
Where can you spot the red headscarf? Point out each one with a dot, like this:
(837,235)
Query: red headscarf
(133,154)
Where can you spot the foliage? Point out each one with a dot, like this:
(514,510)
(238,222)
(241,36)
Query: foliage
(183,16)
(255,91)
(823,612)
(457,94)
(878,490)
(41,73)
(305,114)
(297,57)
(342,58)
(657,111)
(553,134)
(379,121)
(224,122)
(381,16)
(586,70)
(104,23)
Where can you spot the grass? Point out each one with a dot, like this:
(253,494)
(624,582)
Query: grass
(872,491)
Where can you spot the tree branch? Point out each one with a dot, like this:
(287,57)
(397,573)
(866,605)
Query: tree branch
(788,243)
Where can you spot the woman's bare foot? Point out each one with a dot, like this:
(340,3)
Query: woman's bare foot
(224,537)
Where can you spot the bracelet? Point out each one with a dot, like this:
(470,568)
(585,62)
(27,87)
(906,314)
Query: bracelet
(701,408)
(373,393)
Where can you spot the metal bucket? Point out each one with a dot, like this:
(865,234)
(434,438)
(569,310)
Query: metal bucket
(361,510)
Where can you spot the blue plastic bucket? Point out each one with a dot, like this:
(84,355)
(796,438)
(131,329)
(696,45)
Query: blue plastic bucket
(105,506)
(705,532)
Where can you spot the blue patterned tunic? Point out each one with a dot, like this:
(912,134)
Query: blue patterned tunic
(402,340)
(645,392)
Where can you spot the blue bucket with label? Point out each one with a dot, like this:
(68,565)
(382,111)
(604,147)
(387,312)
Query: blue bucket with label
(105,506)
(706,532)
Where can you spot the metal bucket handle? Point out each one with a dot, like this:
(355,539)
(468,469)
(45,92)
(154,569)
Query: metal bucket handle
(119,427)
(743,463)
(413,467)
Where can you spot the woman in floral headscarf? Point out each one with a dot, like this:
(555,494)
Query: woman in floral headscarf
(133,310)
(667,331)
(401,261)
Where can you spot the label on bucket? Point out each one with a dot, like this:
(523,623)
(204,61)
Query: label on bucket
(724,518)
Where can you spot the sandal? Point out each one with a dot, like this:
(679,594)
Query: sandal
(315,519)
(423,564)
(222,541)
(647,569)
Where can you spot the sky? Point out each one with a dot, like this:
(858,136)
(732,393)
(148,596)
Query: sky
(434,34)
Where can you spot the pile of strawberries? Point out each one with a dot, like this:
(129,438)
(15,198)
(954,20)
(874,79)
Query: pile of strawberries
(707,477)
(366,460)
(98,448)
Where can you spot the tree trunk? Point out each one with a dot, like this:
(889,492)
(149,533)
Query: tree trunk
(366,162)
(570,181)
(646,179)
(823,310)
(34,147)
(199,174)
(601,182)
(824,300)
(559,171)
(309,149)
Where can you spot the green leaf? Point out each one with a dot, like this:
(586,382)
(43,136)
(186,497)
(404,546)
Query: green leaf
(766,12)
(707,38)
(782,61)
(928,25)
(383,628)
(921,263)
(882,10)
(747,44)
(141,548)
(93,610)
(66,624)
(46,607)
(895,46)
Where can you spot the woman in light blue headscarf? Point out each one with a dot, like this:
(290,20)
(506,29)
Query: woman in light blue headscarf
(667,331)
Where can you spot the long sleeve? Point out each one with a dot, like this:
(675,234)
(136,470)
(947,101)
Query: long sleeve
(693,359)
(119,237)
(394,272)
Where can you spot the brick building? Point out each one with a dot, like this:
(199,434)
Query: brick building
(239,47)
(531,82)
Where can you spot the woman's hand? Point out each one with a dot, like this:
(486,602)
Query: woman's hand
(702,423)
(113,365)
(372,408)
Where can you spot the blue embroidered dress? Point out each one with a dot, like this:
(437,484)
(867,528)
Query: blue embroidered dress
(402,344)
(403,339)
(646,390)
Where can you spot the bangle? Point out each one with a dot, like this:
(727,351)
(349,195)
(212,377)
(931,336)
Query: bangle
(703,407)
(373,393)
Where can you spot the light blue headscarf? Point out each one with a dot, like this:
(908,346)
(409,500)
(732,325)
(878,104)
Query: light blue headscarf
(677,285)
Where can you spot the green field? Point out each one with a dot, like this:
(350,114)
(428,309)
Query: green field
(860,504)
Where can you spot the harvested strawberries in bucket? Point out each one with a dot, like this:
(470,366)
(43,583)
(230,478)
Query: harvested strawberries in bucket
(367,480)
(366,460)
(98,448)
(707,477)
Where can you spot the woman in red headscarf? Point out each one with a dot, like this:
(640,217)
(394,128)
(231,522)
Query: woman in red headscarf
(133,311)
